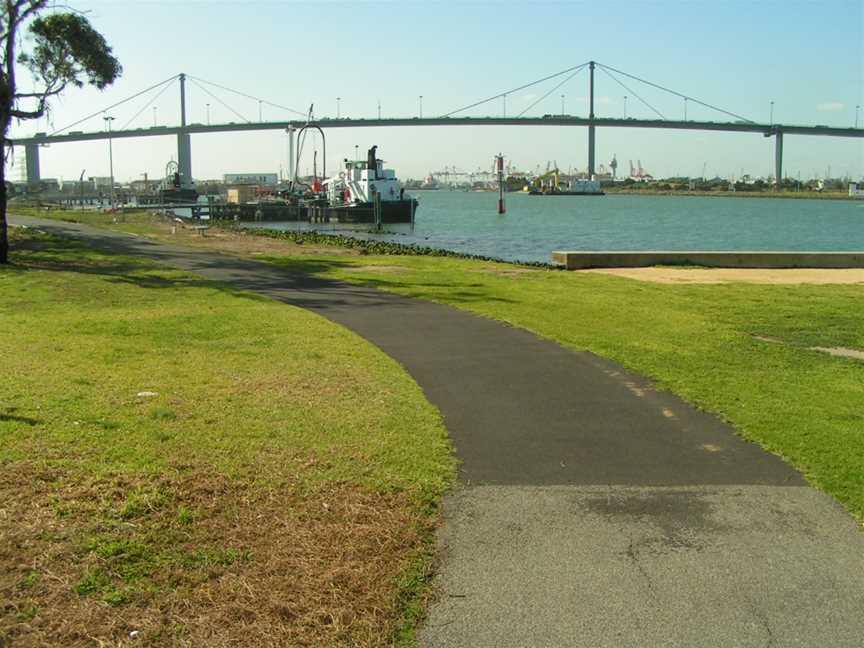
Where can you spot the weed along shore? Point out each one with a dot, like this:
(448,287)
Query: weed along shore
(177,449)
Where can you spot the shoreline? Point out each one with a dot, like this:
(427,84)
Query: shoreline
(790,195)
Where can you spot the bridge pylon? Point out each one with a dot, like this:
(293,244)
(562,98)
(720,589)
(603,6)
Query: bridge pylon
(31,157)
(184,143)
(777,132)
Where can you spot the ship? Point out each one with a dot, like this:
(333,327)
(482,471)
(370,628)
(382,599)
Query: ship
(365,192)
(549,184)
(575,188)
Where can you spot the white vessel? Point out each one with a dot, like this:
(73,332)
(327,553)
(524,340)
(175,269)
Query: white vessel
(363,183)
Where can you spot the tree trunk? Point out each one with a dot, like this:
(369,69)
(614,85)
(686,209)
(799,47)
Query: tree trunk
(4,238)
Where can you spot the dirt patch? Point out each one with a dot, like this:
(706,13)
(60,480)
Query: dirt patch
(841,352)
(196,559)
(506,272)
(818,276)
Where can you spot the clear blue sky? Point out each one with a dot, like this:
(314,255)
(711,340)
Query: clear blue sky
(806,57)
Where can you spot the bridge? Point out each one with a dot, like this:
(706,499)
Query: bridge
(184,130)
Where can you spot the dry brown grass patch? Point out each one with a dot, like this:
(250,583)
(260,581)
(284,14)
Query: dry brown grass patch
(197,559)
(241,244)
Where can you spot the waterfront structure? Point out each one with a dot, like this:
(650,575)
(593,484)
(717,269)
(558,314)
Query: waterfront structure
(265,179)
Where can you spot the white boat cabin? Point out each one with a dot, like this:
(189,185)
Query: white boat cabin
(359,180)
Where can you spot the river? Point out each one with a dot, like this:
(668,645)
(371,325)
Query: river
(534,226)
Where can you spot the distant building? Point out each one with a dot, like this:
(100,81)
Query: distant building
(101,182)
(260,179)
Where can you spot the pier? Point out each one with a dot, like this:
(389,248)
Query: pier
(580,260)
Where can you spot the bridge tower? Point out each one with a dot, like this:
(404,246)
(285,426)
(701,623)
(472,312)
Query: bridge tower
(778,160)
(31,155)
(184,144)
(591,125)
(777,133)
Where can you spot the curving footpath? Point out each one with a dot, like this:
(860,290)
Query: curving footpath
(592,510)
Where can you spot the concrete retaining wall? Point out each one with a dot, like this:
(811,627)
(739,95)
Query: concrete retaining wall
(578,260)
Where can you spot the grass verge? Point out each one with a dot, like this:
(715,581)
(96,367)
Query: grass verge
(190,465)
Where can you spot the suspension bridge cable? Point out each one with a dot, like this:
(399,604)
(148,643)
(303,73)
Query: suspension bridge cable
(248,96)
(527,85)
(148,104)
(621,83)
(219,100)
(678,94)
(551,91)
(119,103)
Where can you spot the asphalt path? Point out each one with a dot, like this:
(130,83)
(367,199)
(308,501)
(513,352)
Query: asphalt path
(593,510)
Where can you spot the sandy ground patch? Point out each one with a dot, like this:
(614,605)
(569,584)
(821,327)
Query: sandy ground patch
(738,275)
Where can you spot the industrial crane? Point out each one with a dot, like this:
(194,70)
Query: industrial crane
(547,182)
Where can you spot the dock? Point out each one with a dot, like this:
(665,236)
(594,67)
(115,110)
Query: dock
(580,260)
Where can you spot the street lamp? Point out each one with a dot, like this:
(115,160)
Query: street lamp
(505,104)
(356,151)
(562,105)
(771,114)
(857,110)
(260,111)
(685,108)
(208,114)
(625,106)
(108,121)
(421,106)
(379,109)
(154,115)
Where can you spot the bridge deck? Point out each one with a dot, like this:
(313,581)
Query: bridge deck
(551,120)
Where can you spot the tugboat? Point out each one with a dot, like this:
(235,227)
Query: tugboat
(361,187)
(173,189)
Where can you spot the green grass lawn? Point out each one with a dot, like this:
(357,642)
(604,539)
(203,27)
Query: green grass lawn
(698,341)
(179,458)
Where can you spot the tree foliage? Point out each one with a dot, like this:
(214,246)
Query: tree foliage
(63,50)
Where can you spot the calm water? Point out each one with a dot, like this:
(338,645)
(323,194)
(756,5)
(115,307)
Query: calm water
(534,226)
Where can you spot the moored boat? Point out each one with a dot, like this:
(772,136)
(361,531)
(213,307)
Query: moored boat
(364,191)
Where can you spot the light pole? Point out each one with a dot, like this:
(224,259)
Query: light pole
(421,106)
(154,115)
(356,152)
(505,105)
(771,113)
(260,111)
(108,121)
(338,107)
(379,109)
(685,108)
(562,105)
(208,114)
(625,106)
(857,110)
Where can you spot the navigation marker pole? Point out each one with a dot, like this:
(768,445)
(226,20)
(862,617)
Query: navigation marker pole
(499,163)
